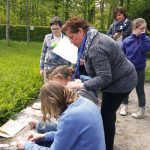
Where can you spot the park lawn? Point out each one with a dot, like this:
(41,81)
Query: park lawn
(147,74)
(20,80)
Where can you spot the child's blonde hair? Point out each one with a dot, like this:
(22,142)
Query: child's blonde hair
(138,22)
(55,98)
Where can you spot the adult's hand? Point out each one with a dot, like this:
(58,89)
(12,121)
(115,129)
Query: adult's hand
(75,85)
(117,35)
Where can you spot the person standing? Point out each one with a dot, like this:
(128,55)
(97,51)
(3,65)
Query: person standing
(49,59)
(135,48)
(108,68)
(121,27)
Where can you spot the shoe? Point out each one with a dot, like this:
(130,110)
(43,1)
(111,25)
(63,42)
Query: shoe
(124,109)
(139,114)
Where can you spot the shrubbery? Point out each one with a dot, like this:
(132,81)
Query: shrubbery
(19,77)
(19,33)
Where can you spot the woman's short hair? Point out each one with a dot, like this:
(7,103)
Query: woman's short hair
(55,21)
(74,24)
(121,10)
(138,22)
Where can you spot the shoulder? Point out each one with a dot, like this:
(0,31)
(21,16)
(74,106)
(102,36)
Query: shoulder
(102,42)
(112,25)
(129,38)
(79,110)
(48,36)
(90,95)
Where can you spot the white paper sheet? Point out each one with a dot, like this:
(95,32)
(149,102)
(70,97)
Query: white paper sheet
(66,50)
(10,128)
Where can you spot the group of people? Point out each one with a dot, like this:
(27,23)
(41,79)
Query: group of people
(114,64)
(132,38)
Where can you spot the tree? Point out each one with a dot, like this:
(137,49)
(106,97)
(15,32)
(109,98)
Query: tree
(27,21)
(8,22)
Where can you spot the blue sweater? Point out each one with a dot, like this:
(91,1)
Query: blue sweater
(135,49)
(80,127)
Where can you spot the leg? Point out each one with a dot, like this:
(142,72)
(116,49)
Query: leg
(141,95)
(125,101)
(45,74)
(110,104)
(124,107)
(140,88)
(44,143)
(42,127)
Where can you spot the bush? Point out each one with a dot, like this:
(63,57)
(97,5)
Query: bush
(19,33)
(19,77)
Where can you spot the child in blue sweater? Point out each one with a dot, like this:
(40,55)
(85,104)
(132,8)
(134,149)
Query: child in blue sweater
(75,130)
(135,48)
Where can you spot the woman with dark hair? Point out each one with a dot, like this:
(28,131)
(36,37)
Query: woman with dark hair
(108,68)
(75,130)
(121,27)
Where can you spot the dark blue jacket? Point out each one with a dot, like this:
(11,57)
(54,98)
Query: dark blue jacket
(135,49)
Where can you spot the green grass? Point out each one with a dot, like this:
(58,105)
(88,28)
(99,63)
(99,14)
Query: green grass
(20,80)
(147,74)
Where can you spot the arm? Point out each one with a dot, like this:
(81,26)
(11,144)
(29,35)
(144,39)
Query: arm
(110,31)
(43,53)
(124,47)
(101,65)
(66,130)
(49,136)
(144,42)
(128,30)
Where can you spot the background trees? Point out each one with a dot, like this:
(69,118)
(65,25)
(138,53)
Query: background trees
(97,12)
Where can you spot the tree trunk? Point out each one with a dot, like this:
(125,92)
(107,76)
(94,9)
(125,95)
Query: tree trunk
(8,22)
(27,21)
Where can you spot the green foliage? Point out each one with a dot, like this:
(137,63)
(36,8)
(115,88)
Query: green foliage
(19,77)
(147,73)
(140,9)
(19,33)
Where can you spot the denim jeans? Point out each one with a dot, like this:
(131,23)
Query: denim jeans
(48,126)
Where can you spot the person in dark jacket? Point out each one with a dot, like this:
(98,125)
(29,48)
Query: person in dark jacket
(135,48)
(108,68)
(121,27)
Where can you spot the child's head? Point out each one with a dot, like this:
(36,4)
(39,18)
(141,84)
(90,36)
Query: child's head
(55,98)
(55,26)
(139,25)
(62,74)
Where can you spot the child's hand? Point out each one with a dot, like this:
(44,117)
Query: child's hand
(32,123)
(35,136)
(21,144)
